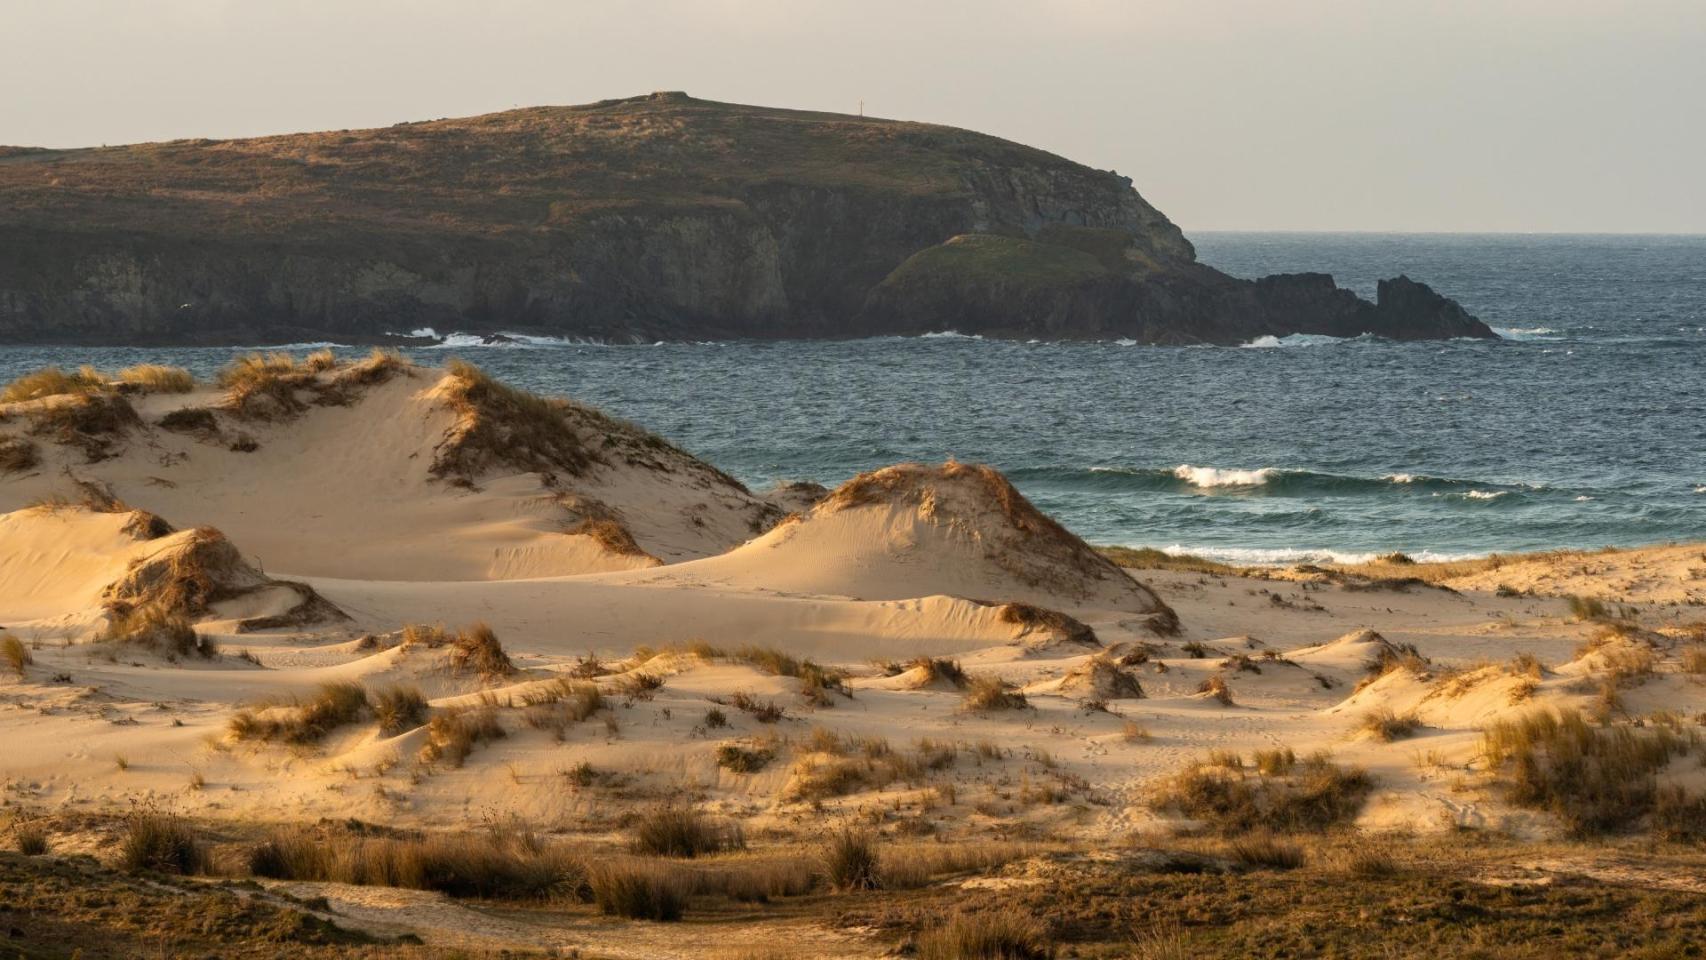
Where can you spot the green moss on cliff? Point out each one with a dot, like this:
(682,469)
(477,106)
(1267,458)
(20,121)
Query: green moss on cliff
(986,261)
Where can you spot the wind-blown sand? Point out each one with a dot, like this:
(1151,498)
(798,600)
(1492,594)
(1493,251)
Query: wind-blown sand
(605,555)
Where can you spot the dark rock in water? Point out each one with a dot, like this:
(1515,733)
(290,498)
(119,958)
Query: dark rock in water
(655,217)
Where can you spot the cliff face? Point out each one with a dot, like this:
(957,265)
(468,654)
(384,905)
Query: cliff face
(655,217)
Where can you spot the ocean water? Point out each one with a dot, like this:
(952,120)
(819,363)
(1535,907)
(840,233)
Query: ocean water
(1585,427)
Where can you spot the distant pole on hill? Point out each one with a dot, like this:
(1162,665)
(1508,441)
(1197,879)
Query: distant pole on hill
(861,108)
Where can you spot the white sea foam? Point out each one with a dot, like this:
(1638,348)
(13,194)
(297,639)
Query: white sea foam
(1400,478)
(1526,333)
(1277,556)
(1301,340)
(1485,494)
(950,335)
(1700,489)
(1125,342)
(1218,477)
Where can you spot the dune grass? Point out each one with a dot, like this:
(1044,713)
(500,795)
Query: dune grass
(1314,795)
(851,859)
(18,454)
(154,378)
(398,708)
(988,692)
(1384,725)
(52,382)
(637,890)
(486,864)
(303,721)
(30,837)
(453,734)
(161,843)
(158,628)
(986,935)
(1595,779)
(14,654)
(672,830)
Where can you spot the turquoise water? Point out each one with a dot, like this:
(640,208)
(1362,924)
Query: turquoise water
(1586,427)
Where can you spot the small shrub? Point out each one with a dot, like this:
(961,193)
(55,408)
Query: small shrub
(161,843)
(988,935)
(1386,726)
(851,859)
(715,719)
(1197,649)
(398,709)
(14,654)
(639,686)
(1134,732)
(989,692)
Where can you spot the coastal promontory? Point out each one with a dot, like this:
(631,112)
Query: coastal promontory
(655,217)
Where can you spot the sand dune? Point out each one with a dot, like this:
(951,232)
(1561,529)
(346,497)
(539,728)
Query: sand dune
(926,611)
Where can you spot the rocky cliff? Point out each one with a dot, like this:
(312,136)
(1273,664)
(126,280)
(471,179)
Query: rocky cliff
(649,218)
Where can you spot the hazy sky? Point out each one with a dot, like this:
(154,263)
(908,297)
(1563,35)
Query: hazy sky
(1542,115)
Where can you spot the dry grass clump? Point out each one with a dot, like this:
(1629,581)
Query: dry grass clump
(14,654)
(473,649)
(679,831)
(303,721)
(637,890)
(264,386)
(738,759)
(499,424)
(161,843)
(990,692)
(398,708)
(18,454)
(1385,725)
(1595,779)
(1693,659)
(1149,558)
(92,423)
(908,866)
(1059,626)
(939,671)
(492,864)
(52,382)
(476,650)
(379,366)
(1315,795)
(1263,849)
(851,859)
(158,629)
(816,682)
(1588,608)
(453,734)
(154,378)
(749,878)
(1215,686)
(560,704)
(986,935)
(609,534)
(30,837)
(764,711)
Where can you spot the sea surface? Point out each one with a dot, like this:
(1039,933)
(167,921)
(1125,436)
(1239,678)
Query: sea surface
(1584,427)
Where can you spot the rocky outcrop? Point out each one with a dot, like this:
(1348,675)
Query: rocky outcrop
(649,218)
